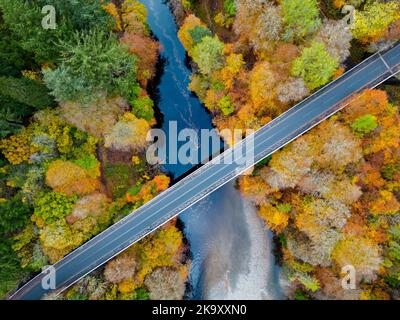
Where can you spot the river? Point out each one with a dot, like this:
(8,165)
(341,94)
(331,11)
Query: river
(231,251)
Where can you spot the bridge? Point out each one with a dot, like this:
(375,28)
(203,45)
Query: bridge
(282,130)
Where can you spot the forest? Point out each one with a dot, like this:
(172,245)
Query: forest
(332,197)
(76,109)
(74,118)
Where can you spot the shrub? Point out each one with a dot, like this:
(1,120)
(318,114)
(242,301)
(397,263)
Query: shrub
(360,252)
(209,55)
(118,178)
(17,148)
(58,239)
(128,134)
(371,23)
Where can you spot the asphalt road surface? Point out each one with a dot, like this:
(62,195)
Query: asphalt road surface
(216,173)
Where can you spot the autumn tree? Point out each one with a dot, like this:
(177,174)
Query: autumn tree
(255,189)
(128,134)
(17,148)
(316,253)
(275,217)
(360,252)
(58,239)
(134,17)
(141,194)
(90,214)
(372,22)
(262,85)
(315,65)
(209,55)
(336,36)
(53,206)
(234,64)
(107,111)
(300,17)
(371,101)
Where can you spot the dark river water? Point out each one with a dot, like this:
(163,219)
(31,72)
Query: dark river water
(231,251)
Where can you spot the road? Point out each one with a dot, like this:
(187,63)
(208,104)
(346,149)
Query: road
(211,176)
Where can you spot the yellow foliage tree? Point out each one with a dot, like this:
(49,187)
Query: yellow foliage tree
(134,17)
(385,204)
(361,253)
(159,250)
(69,178)
(275,219)
(128,134)
(234,63)
(149,190)
(184,35)
(58,239)
(262,86)
(17,148)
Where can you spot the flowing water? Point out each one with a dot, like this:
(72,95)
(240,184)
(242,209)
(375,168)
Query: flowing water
(231,251)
